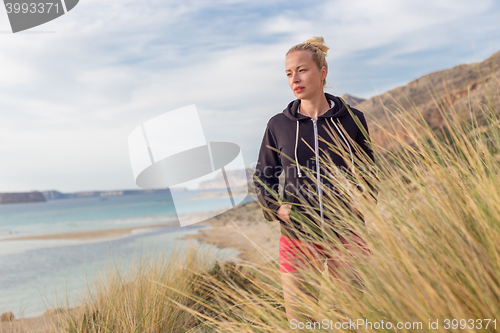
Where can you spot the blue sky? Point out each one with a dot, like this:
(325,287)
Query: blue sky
(73,89)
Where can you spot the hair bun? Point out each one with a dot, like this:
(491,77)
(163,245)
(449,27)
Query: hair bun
(319,42)
(316,46)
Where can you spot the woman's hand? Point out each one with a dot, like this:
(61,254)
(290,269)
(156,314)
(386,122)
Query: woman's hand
(284,212)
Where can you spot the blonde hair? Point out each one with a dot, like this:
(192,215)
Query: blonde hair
(318,49)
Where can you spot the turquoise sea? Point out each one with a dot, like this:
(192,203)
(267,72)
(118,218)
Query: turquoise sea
(38,274)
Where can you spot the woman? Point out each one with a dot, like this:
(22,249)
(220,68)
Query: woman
(292,144)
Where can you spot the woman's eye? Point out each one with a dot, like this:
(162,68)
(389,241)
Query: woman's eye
(302,70)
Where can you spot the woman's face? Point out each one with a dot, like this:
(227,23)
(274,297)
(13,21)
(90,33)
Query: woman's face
(304,77)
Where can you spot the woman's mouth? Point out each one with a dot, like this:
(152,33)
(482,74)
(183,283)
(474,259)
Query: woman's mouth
(298,89)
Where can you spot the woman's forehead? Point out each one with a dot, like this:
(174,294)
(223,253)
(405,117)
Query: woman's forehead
(297,58)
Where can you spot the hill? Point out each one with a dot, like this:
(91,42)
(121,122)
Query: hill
(351,100)
(235,178)
(21,197)
(476,84)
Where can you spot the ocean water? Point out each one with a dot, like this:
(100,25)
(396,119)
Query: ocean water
(39,274)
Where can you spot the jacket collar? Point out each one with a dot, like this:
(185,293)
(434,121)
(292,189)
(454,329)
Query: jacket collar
(338,110)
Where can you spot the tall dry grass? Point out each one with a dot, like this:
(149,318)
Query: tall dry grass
(433,233)
(144,297)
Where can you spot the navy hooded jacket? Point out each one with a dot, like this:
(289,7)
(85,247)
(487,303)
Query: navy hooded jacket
(285,133)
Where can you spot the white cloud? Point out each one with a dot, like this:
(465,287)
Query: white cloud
(69,99)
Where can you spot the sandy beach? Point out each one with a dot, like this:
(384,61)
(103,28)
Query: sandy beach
(242,228)
(87,235)
(41,324)
(245,229)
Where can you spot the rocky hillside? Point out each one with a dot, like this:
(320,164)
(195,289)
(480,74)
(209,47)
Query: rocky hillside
(477,85)
(21,197)
(56,195)
(235,177)
(352,101)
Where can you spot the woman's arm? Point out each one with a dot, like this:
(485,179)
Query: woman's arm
(364,143)
(266,176)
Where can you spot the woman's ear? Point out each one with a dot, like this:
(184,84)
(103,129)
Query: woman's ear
(323,72)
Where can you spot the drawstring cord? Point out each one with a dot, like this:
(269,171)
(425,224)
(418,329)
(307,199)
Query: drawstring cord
(341,134)
(345,140)
(296,142)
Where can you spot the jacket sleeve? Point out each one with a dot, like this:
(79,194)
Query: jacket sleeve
(365,145)
(266,176)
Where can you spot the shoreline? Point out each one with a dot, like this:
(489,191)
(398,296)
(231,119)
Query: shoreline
(242,228)
(105,233)
(88,235)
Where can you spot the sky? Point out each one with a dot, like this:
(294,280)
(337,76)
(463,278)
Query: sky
(73,89)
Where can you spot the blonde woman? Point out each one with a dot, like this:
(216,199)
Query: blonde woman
(308,118)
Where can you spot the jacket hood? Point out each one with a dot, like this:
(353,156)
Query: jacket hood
(338,110)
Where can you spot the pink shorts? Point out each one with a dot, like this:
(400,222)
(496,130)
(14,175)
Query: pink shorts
(296,254)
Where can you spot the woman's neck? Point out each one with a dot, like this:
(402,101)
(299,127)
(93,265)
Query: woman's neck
(314,107)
